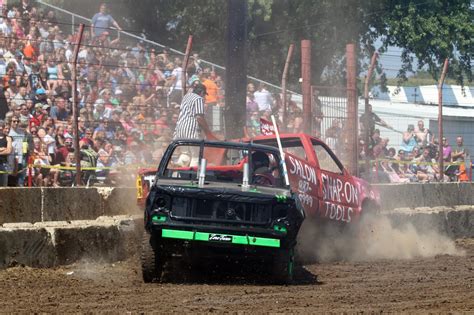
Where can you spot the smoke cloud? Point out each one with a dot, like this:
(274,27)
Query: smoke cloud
(377,238)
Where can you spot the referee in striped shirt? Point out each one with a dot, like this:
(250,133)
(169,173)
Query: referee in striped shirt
(191,119)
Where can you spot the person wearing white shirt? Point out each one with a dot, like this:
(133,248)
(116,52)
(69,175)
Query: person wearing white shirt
(174,81)
(263,98)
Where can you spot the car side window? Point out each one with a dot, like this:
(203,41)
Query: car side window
(181,162)
(326,160)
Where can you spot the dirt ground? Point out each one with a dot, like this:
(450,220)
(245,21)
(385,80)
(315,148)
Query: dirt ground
(442,283)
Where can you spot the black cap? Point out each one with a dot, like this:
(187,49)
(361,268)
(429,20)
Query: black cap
(200,89)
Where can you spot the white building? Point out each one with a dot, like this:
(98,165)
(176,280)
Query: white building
(406,105)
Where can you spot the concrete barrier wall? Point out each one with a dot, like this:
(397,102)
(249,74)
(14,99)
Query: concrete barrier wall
(50,244)
(64,204)
(454,222)
(415,195)
(46,227)
(67,204)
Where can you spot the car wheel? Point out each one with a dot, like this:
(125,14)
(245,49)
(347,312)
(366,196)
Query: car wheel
(283,266)
(152,264)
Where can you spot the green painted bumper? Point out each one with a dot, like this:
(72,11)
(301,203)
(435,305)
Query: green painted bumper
(221,238)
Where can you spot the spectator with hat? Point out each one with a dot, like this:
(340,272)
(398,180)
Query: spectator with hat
(40,97)
(191,118)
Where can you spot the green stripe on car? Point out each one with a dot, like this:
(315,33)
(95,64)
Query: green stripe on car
(221,238)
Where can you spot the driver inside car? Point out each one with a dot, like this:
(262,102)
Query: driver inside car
(262,174)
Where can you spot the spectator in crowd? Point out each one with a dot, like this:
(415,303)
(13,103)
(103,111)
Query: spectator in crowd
(447,150)
(317,111)
(174,81)
(41,158)
(381,150)
(401,168)
(374,140)
(5,151)
(20,97)
(25,115)
(426,170)
(102,21)
(59,110)
(20,149)
(423,135)
(460,152)
(409,140)
(415,154)
(212,91)
(252,129)
(263,98)
(333,135)
(251,106)
(369,119)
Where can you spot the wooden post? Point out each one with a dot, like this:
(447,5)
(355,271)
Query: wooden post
(440,118)
(283,86)
(306,84)
(185,64)
(77,155)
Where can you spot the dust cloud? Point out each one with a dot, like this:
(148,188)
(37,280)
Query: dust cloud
(372,239)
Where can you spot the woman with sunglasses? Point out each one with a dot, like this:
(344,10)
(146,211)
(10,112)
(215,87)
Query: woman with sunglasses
(20,149)
(5,150)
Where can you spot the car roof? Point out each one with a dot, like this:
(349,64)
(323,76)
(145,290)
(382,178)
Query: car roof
(228,144)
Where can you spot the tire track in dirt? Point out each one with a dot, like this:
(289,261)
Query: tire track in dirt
(441,283)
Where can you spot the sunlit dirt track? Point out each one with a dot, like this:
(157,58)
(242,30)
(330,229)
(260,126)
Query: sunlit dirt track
(441,283)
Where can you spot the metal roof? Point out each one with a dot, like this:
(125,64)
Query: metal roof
(453,95)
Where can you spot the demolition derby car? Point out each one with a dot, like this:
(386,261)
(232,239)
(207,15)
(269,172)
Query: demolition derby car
(221,200)
(326,189)
(320,188)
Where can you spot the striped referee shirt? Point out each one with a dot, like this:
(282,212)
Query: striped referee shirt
(187,126)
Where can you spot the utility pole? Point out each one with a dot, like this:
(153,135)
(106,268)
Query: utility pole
(284,79)
(440,119)
(306,84)
(184,76)
(351,138)
(366,123)
(236,69)
(77,155)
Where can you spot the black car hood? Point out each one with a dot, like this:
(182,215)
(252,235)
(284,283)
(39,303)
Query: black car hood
(230,192)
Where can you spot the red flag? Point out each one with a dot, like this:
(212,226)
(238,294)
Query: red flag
(266,127)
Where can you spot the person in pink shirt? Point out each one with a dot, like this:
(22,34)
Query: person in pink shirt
(446,150)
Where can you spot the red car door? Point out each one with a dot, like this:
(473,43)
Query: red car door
(340,192)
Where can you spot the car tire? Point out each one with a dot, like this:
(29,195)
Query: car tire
(283,266)
(152,265)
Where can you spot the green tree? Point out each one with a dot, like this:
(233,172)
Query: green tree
(430,30)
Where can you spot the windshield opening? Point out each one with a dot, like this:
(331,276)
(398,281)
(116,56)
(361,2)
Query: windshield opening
(225,165)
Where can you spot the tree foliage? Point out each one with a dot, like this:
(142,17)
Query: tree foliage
(432,31)
(429,30)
